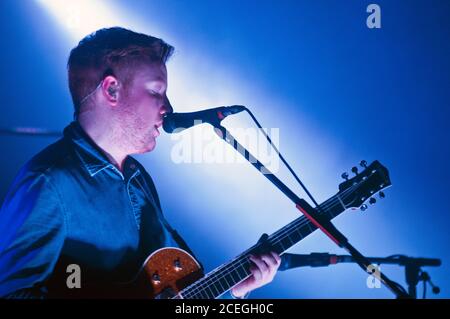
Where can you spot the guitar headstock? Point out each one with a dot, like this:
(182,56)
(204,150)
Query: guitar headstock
(356,191)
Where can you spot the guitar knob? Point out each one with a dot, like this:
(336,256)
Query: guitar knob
(372,201)
(363,163)
(177,264)
(156,278)
(355,170)
(345,176)
(382,195)
(363,207)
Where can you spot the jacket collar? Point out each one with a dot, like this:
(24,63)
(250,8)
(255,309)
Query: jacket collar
(91,156)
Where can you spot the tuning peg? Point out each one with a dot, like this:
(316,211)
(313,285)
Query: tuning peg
(382,195)
(363,163)
(355,170)
(372,201)
(345,176)
(363,207)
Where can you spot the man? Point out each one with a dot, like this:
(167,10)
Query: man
(84,200)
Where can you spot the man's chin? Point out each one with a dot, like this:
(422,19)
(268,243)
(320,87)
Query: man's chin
(149,147)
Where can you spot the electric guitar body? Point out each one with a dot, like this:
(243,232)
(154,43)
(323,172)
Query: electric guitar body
(165,273)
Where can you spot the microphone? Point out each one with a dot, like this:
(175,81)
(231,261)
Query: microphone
(289,261)
(177,122)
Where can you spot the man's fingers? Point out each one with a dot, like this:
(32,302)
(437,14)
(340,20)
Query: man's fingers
(270,260)
(264,267)
(277,257)
(256,273)
(261,264)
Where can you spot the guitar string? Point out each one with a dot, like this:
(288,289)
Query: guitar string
(235,264)
(213,278)
(239,261)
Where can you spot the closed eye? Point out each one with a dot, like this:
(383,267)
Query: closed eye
(155,93)
(156,88)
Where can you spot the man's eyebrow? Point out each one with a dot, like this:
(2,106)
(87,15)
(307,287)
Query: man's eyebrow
(156,79)
(161,80)
(151,83)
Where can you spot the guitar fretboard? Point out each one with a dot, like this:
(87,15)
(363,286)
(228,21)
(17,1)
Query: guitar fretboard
(225,277)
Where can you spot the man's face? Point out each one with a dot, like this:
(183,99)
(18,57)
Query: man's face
(143,107)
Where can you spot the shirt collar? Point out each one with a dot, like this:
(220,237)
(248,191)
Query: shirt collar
(91,156)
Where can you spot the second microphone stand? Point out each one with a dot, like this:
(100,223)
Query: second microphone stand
(413,271)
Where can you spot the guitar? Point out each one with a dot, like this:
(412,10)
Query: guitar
(172,273)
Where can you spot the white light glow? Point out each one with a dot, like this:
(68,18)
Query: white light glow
(82,17)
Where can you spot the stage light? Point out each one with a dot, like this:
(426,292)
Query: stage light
(82,17)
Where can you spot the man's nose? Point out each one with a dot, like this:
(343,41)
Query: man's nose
(167,108)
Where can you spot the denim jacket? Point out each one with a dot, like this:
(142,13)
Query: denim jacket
(70,205)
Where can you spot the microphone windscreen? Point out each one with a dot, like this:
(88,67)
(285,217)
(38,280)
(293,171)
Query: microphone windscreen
(168,123)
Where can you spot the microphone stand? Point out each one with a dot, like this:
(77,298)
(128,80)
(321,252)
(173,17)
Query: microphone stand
(413,274)
(324,225)
(413,271)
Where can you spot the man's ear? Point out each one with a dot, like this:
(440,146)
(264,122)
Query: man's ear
(110,89)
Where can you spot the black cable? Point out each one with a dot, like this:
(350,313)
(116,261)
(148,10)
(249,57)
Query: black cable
(281,157)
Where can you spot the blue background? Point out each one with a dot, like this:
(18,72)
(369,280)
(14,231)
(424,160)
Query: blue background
(338,91)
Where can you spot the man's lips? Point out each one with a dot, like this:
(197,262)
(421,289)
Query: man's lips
(158,125)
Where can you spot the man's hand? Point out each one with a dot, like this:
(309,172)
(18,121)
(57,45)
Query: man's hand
(263,270)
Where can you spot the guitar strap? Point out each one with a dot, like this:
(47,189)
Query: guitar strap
(148,191)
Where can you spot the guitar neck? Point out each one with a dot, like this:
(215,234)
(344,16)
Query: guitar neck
(225,277)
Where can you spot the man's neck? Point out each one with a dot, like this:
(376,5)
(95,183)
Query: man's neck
(103,138)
